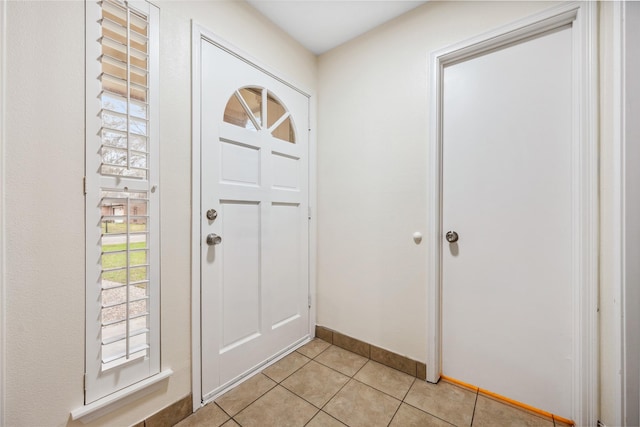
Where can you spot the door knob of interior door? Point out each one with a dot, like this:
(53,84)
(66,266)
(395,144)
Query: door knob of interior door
(213,239)
(451,236)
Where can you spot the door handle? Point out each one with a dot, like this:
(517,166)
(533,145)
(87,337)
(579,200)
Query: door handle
(213,239)
(451,236)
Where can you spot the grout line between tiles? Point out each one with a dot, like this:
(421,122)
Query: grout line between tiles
(335,370)
(308,401)
(327,414)
(475,404)
(359,369)
(376,389)
(334,395)
(394,414)
(350,376)
(409,389)
(429,413)
(317,355)
(302,366)
(256,399)
(313,359)
(226,413)
(333,417)
(222,409)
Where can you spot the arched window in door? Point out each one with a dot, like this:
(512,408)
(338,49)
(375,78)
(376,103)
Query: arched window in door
(256,108)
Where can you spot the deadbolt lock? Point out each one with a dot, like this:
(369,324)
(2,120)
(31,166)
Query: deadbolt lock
(212,214)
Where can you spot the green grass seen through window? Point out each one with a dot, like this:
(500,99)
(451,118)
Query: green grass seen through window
(120,260)
(121,227)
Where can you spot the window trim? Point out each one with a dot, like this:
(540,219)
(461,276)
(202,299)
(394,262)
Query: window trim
(112,402)
(102,389)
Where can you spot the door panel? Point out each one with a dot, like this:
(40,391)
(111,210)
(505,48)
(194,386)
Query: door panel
(285,256)
(286,172)
(506,294)
(240,259)
(254,282)
(240,164)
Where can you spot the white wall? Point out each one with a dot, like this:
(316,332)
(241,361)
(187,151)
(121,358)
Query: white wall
(372,170)
(44,211)
(372,180)
(45,206)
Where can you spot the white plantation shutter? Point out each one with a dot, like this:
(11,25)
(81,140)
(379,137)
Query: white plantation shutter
(122,198)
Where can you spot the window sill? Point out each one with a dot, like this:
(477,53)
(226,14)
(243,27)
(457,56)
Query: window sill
(100,407)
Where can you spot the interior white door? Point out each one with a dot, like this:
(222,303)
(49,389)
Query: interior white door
(254,172)
(506,283)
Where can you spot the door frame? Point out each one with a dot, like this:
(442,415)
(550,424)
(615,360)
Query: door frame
(625,212)
(199,34)
(585,270)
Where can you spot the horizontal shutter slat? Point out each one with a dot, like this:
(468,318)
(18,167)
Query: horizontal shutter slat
(123,354)
(116,304)
(121,337)
(117,217)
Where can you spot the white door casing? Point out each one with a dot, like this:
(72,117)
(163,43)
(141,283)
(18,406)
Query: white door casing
(627,206)
(581,165)
(254,292)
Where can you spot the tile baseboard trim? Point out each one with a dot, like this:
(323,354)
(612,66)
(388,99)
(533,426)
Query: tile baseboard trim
(370,351)
(170,415)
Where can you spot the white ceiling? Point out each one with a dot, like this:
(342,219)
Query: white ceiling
(321,25)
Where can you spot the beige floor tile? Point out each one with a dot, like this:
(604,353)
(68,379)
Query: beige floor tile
(231,423)
(341,360)
(209,416)
(359,405)
(237,399)
(315,383)
(323,420)
(286,366)
(490,412)
(408,416)
(385,379)
(446,401)
(279,408)
(313,348)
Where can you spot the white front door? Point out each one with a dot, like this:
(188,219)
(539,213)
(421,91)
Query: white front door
(507,303)
(254,175)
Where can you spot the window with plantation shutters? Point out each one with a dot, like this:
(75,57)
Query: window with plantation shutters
(124,63)
(122,197)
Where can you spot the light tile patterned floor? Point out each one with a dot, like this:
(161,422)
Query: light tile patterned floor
(321,385)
